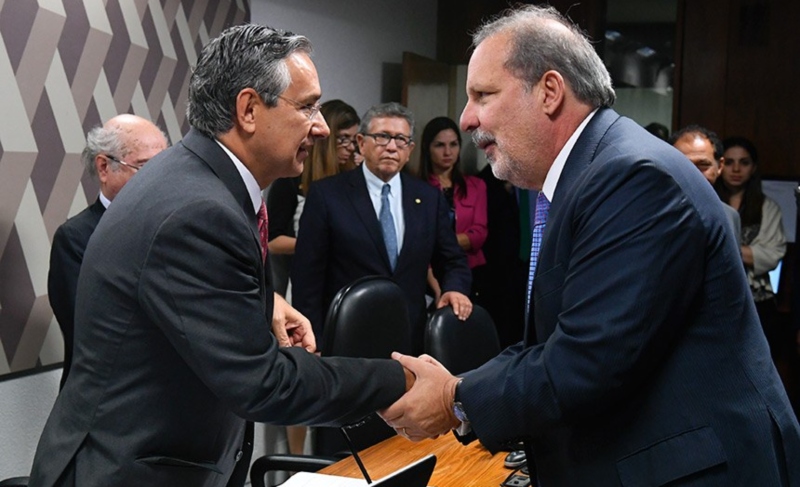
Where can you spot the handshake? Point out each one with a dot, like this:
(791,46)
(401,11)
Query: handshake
(426,409)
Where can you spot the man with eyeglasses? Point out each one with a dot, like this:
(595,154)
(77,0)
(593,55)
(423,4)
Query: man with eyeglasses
(175,314)
(114,152)
(375,220)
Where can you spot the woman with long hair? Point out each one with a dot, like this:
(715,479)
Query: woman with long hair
(763,240)
(440,166)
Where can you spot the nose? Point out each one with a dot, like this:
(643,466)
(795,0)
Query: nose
(319,127)
(469,118)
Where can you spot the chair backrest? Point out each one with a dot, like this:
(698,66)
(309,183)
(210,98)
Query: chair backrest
(369,319)
(15,482)
(461,345)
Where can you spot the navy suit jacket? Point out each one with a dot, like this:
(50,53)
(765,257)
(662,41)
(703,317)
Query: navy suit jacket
(340,240)
(644,362)
(173,345)
(66,255)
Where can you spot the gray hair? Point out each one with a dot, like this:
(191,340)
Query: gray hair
(244,56)
(387,110)
(538,48)
(102,140)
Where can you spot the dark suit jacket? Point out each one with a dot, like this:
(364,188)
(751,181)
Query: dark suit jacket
(173,350)
(66,255)
(650,365)
(340,240)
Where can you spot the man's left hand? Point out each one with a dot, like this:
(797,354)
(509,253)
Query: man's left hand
(290,327)
(462,306)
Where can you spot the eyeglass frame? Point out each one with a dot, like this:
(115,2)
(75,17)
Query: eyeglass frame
(406,140)
(120,161)
(313,109)
(341,139)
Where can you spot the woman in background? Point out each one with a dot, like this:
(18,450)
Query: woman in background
(763,241)
(285,200)
(440,166)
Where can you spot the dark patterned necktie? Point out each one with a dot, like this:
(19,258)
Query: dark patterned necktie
(263,229)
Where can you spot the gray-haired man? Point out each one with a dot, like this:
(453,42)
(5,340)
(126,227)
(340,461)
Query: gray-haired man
(173,349)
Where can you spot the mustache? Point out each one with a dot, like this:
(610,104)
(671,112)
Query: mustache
(481,138)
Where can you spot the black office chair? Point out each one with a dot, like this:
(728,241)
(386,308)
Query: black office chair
(367,319)
(285,463)
(461,345)
(15,482)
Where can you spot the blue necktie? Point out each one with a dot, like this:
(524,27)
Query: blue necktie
(387,226)
(540,218)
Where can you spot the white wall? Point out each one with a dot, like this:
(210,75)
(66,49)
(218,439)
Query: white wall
(25,404)
(358,45)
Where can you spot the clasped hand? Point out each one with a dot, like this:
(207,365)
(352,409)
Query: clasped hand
(425,410)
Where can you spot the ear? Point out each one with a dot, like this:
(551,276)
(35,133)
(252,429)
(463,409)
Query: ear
(720,163)
(360,142)
(553,90)
(248,102)
(101,165)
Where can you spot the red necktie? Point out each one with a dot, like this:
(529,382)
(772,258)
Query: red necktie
(263,229)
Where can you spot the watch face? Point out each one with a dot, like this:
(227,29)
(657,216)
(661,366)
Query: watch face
(458,410)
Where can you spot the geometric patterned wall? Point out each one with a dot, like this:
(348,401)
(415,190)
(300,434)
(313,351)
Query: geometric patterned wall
(66,66)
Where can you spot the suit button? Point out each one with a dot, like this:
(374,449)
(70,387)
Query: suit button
(239,455)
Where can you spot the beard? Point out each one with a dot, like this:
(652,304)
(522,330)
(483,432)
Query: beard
(503,166)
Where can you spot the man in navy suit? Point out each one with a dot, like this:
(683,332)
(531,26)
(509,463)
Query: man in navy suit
(114,152)
(341,237)
(643,361)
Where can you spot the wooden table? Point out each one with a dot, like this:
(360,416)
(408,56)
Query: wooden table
(456,465)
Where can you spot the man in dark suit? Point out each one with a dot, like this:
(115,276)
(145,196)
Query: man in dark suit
(341,237)
(114,152)
(173,349)
(643,362)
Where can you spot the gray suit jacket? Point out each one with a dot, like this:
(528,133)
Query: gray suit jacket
(173,349)
(644,363)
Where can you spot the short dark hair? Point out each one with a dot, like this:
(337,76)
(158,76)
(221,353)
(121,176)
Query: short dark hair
(709,135)
(244,56)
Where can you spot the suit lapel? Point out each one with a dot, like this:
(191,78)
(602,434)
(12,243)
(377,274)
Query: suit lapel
(579,159)
(362,206)
(207,150)
(412,205)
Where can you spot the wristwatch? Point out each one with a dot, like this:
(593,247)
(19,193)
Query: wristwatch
(458,408)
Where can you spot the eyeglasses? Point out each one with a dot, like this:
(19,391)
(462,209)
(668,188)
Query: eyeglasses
(345,141)
(309,110)
(119,161)
(401,141)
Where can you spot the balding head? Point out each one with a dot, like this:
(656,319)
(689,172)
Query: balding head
(115,151)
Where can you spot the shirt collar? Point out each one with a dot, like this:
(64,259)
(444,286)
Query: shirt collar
(104,200)
(554,174)
(375,184)
(249,180)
